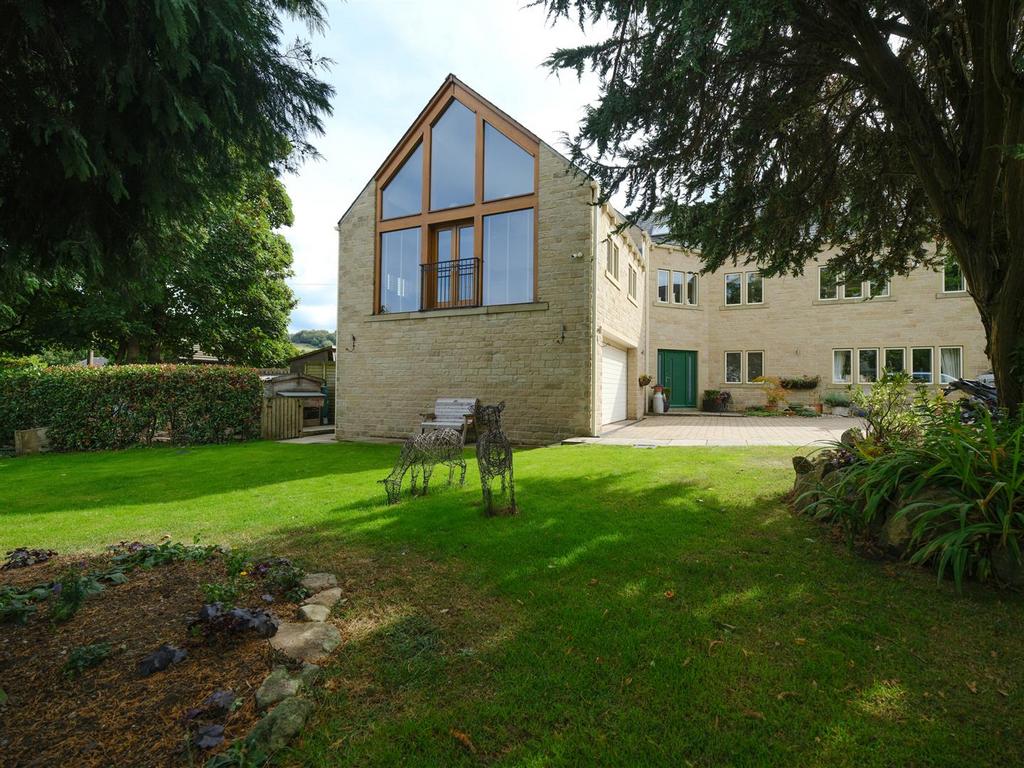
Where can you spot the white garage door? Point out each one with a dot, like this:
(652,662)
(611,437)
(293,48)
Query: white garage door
(613,384)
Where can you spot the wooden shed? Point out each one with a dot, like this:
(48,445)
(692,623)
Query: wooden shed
(292,402)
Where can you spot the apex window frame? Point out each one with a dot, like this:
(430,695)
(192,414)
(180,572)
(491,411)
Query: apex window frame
(418,136)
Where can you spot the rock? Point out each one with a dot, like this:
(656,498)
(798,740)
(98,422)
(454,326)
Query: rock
(1008,566)
(327,598)
(851,437)
(279,726)
(317,582)
(278,686)
(306,641)
(310,675)
(314,612)
(895,534)
(802,465)
(805,489)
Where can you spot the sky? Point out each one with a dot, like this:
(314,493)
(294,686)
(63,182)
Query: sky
(390,56)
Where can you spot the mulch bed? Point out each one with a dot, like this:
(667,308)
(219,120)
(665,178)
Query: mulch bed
(111,715)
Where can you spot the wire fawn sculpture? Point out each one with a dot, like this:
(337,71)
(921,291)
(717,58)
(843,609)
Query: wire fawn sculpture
(421,453)
(494,457)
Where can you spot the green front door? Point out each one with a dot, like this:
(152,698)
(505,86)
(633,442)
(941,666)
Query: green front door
(677,372)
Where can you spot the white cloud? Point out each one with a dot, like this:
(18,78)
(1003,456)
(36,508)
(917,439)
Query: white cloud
(390,56)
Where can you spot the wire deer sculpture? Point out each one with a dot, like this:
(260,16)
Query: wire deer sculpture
(494,457)
(421,453)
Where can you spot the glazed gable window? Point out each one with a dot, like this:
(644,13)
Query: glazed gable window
(457,210)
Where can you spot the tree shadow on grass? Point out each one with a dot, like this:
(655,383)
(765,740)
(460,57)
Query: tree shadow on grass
(623,625)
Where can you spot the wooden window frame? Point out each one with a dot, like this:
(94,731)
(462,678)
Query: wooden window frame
(853,369)
(879,369)
(631,281)
(885,353)
(725,289)
(746,287)
(682,287)
(668,286)
(420,134)
(725,361)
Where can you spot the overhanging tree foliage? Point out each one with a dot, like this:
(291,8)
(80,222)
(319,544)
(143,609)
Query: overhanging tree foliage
(119,116)
(219,283)
(766,131)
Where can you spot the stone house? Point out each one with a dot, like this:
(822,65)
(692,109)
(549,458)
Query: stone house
(475,264)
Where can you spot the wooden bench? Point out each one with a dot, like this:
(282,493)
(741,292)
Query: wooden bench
(451,412)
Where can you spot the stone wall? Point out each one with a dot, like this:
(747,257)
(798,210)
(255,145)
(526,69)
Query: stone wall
(798,332)
(536,357)
(620,317)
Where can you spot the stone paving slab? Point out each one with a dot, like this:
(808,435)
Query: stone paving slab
(705,431)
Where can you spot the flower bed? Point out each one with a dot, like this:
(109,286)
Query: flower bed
(133,671)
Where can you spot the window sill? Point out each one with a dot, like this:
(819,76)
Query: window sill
(847,302)
(952,295)
(673,305)
(762,305)
(632,299)
(613,280)
(491,309)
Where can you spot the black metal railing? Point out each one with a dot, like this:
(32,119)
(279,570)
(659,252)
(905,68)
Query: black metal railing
(447,284)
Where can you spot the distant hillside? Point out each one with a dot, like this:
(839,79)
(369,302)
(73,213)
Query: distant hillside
(313,339)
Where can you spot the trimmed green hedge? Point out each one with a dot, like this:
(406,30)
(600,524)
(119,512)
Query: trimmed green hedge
(88,409)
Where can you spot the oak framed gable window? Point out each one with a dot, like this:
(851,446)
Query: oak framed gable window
(456,222)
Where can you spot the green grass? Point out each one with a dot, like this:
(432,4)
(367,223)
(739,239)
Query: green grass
(647,607)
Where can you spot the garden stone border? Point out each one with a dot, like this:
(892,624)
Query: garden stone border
(282,692)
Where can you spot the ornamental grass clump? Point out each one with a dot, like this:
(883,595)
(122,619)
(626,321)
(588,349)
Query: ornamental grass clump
(958,488)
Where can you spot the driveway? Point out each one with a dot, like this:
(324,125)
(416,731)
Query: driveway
(723,430)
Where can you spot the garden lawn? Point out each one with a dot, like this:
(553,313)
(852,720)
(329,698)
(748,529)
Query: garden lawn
(647,607)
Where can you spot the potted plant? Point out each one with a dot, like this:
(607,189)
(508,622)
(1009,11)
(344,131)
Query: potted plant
(800,382)
(773,391)
(838,402)
(715,401)
(645,380)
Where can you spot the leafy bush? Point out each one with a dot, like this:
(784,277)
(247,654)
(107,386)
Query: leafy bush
(121,406)
(218,620)
(71,591)
(135,554)
(226,593)
(800,382)
(837,399)
(773,389)
(960,487)
(23,558)
(84,657)
(285,579)
(888,409)
(16,605)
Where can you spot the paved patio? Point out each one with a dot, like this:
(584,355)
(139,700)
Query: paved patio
(723,430)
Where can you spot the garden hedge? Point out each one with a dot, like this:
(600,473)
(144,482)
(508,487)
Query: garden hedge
(89,409)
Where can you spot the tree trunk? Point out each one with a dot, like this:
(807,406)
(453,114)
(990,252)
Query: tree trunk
(1004,330)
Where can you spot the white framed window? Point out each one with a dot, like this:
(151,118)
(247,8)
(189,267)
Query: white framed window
(734,288)
(631,286)
(951,364)
(828,284)
(677,287)
(895,359)
(921,364)
(612,264)
(733,367)
(879,289)
(953,277)
(867,365)
(755,288)
(691,288)
(842,366)
(755,366)
(663,285)
(853,289)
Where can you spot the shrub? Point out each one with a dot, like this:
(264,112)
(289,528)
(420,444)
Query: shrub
(887,408)
(837,399)
(773,389)
(974,478)
(120,406)
(71,591)
(800,382)
(84,657)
